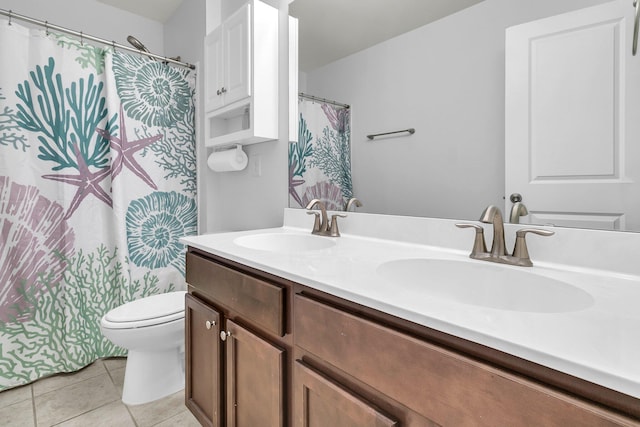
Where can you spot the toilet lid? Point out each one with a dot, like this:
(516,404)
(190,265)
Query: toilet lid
(151,310)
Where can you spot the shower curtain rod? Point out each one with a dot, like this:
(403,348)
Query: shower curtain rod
(83,36)
(327,101)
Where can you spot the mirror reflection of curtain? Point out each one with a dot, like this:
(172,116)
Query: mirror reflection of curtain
(97,184)
(320,161)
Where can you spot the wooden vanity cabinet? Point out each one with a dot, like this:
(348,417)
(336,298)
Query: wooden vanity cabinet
(235,348)
(360,359)
(296,356)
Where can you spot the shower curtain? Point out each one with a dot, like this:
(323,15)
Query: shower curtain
(97,184)
(320,161)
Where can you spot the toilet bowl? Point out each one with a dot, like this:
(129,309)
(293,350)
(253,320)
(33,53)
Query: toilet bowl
(152,330)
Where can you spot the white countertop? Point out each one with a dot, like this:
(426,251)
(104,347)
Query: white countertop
(599,343)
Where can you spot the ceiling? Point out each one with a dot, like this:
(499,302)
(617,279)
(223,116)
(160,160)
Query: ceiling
(158,10)
(332,29)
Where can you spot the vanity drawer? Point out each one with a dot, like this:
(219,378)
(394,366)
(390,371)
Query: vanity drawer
(447,388)
(255,299)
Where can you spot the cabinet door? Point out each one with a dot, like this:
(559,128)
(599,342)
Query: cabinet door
(319,401)
(214,70)
(202,359)
(237,55)
(445,387)
(255,379)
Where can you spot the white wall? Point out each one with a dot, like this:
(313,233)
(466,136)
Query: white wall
(226,201)
(242,200)
(94,18)
(184,32)
(184,35)
(446,80)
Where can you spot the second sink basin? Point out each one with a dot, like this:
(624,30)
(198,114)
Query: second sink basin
(284,242)
(486,285)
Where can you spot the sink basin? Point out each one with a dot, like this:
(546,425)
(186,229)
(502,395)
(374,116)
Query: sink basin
(487,285)
(284,242)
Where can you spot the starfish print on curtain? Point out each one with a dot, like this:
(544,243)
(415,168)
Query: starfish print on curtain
(123,151)
(87,182)
(75,244)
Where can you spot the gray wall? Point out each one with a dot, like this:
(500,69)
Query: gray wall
(229,201)
(94,18)
(184,31)
(242,200)
(445,79)
(184,35)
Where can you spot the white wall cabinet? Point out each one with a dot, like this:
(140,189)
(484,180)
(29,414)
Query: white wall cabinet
(241,77)
(228,61)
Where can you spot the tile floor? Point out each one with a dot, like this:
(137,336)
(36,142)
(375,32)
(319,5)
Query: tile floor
(89,397)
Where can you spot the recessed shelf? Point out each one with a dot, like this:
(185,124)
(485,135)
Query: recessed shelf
(227,122)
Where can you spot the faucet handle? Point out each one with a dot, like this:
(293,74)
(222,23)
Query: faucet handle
(316,222)
(520,250)
(333,228)
(315,202)
(324,223)
(479,246)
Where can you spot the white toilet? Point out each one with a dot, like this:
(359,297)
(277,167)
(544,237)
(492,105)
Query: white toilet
(152,329)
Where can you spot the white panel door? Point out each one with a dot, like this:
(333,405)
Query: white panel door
(571,149)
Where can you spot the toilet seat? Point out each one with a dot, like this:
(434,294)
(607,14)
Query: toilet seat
(148,311)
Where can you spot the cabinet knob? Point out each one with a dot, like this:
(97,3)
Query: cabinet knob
(224,335)
(223,90)
(218,92)
(209,323)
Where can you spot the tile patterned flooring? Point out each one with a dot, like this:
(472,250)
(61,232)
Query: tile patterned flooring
(89,397)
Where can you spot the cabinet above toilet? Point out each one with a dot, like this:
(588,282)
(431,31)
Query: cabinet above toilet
(241,77)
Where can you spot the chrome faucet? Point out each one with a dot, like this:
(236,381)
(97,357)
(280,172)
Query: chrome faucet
(321,225)
(518,209)
(520,255)
(352,201)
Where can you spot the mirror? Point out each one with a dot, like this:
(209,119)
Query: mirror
(444,77)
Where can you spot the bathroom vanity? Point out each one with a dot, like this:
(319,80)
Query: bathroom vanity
(288,329)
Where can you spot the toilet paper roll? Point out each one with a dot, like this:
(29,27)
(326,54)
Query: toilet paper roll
(228,160)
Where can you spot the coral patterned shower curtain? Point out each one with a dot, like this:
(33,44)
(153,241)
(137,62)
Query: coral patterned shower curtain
(320,161)
(97,184)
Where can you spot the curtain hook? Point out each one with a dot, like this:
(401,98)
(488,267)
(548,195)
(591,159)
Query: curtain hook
(10,16)
(81,39)
(46,28)
(113,43)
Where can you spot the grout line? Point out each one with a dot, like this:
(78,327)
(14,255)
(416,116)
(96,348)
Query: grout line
(109,374)
(84,413)
(73,385)
(116,386)
(135,422)
(33,406)
(111,378)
